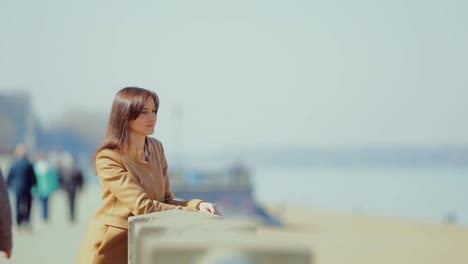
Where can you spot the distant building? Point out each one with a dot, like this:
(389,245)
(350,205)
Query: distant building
(17,125)
(20,124)
(17,122)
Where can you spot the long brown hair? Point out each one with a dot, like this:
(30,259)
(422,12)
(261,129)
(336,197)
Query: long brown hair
(127,106)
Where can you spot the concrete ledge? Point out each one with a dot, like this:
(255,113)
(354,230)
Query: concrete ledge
(177,236)
(176,222)
(222,247)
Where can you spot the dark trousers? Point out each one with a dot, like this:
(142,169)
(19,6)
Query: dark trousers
(45,207)
(23,209)
(71,204)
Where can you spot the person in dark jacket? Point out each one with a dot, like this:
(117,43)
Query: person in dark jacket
(5,220)
(71,180)
(21,179)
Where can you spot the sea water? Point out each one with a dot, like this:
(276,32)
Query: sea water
(422,194)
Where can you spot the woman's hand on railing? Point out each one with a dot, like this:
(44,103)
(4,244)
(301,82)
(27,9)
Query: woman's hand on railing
(209,208)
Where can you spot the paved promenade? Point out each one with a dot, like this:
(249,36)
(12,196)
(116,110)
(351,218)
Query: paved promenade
(57,241)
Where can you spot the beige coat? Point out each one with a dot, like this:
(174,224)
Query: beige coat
(131,186)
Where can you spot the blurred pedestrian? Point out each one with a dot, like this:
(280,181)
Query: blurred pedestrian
(71,180)
(21,179)
(132,169)
(6,242)
(47,182)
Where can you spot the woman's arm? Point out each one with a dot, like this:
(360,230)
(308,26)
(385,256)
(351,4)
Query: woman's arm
(126,187)
(192,205)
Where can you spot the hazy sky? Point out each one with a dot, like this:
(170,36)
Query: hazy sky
(250,73)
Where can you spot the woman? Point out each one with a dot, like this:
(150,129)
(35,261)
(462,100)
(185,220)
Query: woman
(132,169)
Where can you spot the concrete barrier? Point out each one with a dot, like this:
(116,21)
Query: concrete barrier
(177,236)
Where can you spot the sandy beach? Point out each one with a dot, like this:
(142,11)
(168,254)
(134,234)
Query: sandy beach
(350,238)
(334,238)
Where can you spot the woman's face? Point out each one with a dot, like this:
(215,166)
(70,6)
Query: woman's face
(144,124)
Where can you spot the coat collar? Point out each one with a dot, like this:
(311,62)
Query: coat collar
(139,154)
